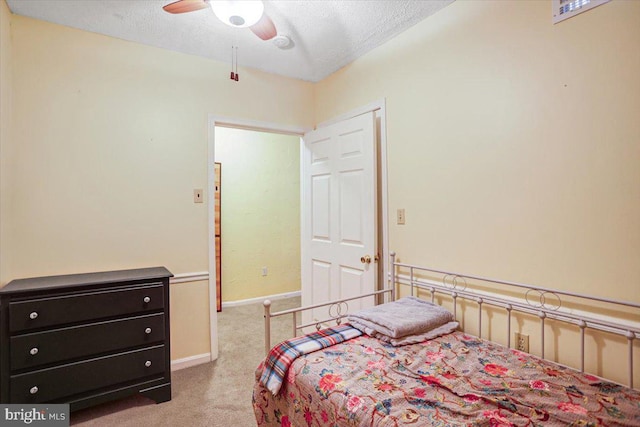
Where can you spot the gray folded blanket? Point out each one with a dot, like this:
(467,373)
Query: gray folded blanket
(404,321)
(445,329)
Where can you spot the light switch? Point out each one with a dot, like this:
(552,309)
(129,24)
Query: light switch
(401,217)
(197,195)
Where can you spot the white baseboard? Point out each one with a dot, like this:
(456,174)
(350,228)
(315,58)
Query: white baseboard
(190,361)
(260,299)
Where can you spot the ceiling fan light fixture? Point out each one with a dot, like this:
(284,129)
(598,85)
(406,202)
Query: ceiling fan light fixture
(238,13)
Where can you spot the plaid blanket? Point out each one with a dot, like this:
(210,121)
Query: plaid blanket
(282,355)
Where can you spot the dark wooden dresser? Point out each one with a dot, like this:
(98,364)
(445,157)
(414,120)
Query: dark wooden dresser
(84,339)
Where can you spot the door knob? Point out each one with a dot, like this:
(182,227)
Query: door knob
(365,259)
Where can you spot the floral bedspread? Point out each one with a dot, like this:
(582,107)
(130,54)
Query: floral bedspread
(452,380)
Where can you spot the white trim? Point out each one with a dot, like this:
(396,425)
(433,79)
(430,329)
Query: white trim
(190,361)
(256,125)
(372,106)
(238,123)
(384,196)
(261,299)
(302,220)
(189,277)
(213,305)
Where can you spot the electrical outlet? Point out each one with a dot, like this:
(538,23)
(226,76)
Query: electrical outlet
(522,342)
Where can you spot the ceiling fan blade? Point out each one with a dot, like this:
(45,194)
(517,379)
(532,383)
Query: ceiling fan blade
(264,28)
(183,6)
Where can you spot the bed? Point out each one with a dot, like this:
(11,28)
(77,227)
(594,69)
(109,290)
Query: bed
(458,378)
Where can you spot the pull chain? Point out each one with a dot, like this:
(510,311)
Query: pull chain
(233,74)
(234,64)
(237,75)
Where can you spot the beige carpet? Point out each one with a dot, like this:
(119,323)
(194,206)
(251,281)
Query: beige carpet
(212,394)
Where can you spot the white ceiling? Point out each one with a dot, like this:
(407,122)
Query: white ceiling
(326,34)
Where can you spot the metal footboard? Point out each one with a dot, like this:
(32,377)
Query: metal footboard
(338,310)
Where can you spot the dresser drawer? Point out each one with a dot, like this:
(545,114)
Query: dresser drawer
(56,345)
(75,378)
(44,312)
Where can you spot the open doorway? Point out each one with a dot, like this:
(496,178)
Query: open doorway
(259,230)
(215,122)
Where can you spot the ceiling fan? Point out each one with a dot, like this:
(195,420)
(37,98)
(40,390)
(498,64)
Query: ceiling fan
(235,13)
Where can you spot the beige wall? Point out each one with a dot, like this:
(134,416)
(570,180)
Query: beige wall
(189,305)
(111,139)
(514,144)
(6,89)
(260,212)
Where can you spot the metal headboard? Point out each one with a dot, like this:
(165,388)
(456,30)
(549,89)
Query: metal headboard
(535,301)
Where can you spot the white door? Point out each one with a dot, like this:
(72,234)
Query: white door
(339,214)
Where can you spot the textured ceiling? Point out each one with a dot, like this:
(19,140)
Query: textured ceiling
(326,34)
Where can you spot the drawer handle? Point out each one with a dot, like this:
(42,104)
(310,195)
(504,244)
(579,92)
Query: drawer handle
(146,300)
(33,390)
(147,331)
(33,315)
(34,351)
(147,363)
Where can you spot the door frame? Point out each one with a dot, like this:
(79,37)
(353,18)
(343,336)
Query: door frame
(236,123)
(379,107)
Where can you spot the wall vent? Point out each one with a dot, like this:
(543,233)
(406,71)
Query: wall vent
(564,9)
